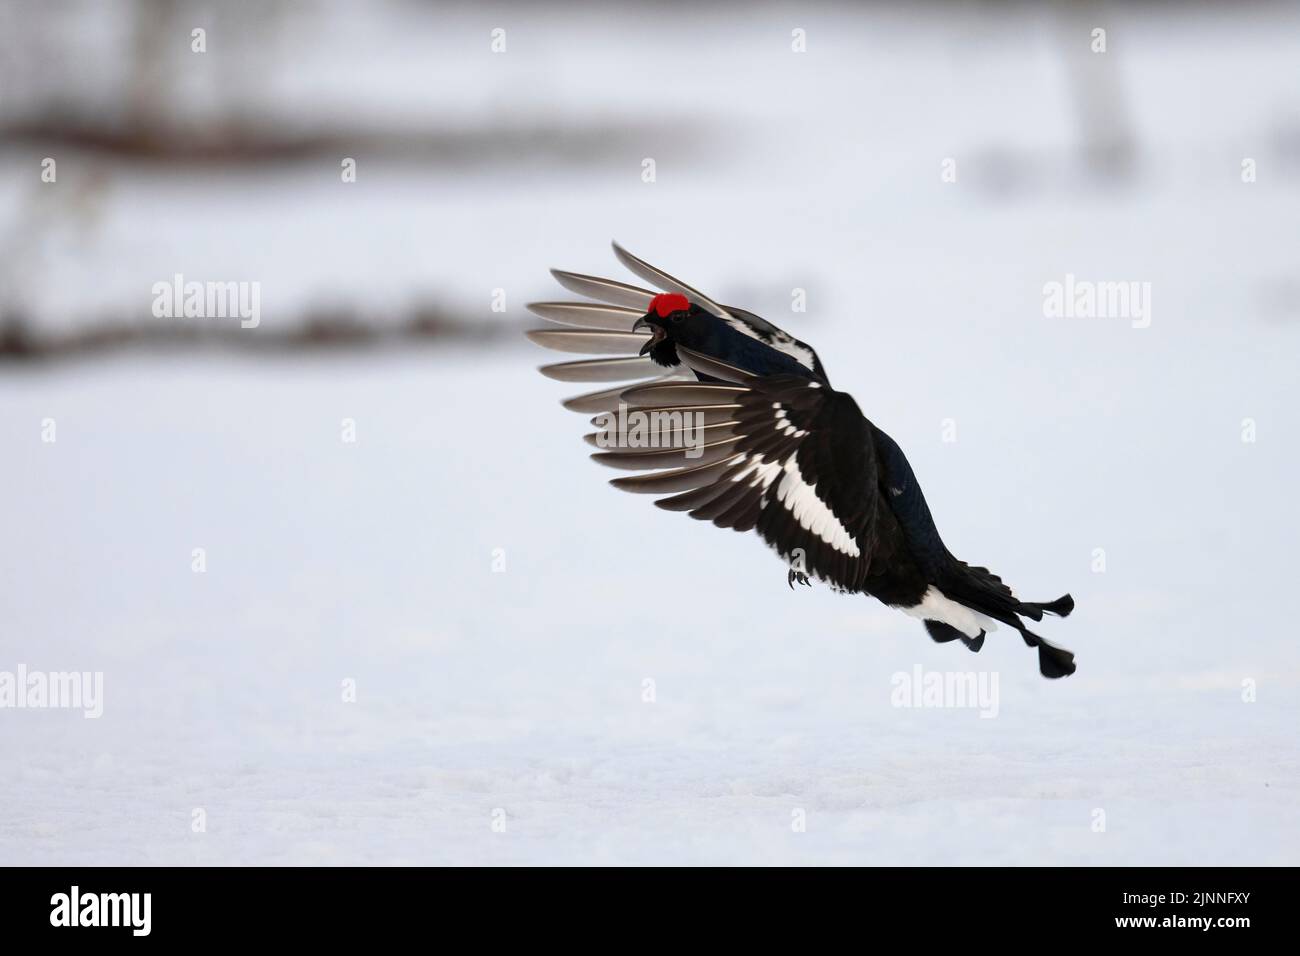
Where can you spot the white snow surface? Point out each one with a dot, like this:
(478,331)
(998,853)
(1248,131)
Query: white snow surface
(520,695)
(523,690)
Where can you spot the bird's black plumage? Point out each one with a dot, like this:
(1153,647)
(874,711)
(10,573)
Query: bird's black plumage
(755,438)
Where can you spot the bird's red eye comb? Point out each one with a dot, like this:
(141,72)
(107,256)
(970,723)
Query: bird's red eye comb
(666,303)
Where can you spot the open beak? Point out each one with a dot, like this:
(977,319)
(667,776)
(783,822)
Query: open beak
(657,333)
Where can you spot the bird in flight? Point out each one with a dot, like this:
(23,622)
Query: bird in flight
(734,421)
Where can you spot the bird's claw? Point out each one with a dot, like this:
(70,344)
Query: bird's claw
(799,576)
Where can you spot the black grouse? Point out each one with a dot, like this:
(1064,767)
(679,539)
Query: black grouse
(735,422)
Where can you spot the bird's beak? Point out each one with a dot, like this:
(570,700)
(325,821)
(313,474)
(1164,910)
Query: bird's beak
(657,331)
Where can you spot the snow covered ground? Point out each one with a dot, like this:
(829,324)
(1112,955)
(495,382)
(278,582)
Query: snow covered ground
(500,716)
(523,690)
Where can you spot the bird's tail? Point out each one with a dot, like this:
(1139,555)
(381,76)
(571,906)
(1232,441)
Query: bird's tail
(1053,661)
(1061,607)
(981,590)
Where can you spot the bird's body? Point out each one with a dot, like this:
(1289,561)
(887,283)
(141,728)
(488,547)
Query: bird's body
(761,441)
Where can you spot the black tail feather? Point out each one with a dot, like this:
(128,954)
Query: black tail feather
(984,592)
(943,633)
(1053,661)
(1061,607)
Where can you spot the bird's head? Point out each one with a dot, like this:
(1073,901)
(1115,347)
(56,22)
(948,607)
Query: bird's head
(672,319)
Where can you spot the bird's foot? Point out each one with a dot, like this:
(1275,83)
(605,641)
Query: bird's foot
(799,576)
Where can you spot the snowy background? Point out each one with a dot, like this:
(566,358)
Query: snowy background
(518,695)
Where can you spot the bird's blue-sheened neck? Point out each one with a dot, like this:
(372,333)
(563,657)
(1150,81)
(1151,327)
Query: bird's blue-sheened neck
(737,348)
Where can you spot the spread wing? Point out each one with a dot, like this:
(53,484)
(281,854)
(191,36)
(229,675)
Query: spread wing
(782,455)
